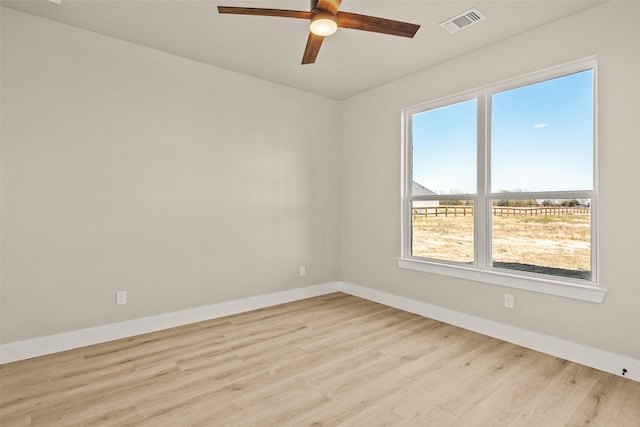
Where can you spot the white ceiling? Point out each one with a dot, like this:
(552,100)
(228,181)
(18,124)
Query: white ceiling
(350,61)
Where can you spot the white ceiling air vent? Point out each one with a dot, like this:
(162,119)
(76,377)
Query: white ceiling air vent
(463,20)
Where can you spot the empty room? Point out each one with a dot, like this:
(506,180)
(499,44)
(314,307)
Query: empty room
(338,213)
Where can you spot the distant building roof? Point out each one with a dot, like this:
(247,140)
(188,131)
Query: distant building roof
(421,190)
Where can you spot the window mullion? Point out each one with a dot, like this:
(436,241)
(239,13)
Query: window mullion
(482,229)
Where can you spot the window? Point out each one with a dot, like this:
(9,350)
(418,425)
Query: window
(500,184)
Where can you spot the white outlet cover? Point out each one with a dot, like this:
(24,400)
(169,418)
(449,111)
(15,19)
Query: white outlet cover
(508,300)
(121,297)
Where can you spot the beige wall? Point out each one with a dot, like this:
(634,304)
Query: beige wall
(187,185)
(370,156)
(125,168)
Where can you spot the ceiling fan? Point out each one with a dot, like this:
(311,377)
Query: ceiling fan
(325,20)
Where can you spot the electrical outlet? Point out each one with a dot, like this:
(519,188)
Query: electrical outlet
(508,300)
(121,297)
(303,270)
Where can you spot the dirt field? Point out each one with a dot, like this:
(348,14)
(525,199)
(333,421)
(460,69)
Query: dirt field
(553,244)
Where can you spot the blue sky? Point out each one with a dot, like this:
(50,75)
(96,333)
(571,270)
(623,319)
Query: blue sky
(541,136)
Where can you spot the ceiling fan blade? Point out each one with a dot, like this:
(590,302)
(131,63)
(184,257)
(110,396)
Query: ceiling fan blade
(313,47)
(329,5)
(355,21)
(301,14)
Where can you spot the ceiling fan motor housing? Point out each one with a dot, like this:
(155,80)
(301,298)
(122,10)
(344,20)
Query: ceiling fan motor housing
(323,23)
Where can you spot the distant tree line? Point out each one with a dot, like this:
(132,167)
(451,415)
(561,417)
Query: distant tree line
(456,202)
(567,203)
(574,203)
(521,203)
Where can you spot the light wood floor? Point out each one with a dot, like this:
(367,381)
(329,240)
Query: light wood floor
(330,360)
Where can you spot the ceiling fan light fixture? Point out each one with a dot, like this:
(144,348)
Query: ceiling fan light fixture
(323,24)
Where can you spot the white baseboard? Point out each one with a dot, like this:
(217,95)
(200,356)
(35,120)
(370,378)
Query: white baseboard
(579,353)
(75,339)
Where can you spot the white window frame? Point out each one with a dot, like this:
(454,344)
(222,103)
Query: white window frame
(586,290)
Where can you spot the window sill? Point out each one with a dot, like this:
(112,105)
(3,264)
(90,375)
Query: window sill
(567,289)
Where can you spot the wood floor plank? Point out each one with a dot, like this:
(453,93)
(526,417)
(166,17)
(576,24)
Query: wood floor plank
(560,398)
(474,389)
(429,415)
(326,361)
(373,416)
(612,401)
(516,395)
(444,370)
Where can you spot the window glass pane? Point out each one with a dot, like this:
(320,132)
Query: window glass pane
(547,236)
(444,149)
(443,230)
(542,136)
